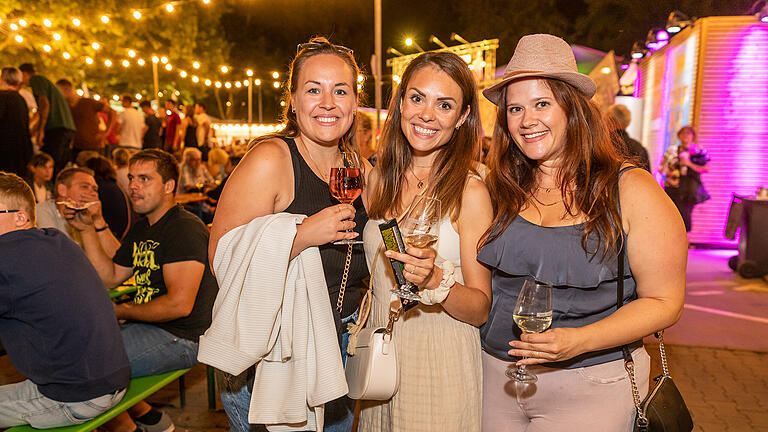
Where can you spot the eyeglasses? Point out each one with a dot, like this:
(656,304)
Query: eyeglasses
(318,45)
(10,211)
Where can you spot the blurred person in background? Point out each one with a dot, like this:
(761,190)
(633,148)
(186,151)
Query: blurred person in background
(188,130)
(172,120)
(91,130)
(365,139)
(40,174)
(15,141)
(131,124)
(618,118)
(217,159)
(203,123)
(120,157)
(682,167)
(153,126)
(115,206)
(56,128)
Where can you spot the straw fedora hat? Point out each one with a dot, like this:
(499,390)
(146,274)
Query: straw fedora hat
(542,55)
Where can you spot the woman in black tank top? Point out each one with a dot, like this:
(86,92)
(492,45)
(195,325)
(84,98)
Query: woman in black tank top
(289,172)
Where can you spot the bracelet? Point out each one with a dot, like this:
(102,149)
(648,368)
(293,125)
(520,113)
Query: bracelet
(101,229)
(439,294)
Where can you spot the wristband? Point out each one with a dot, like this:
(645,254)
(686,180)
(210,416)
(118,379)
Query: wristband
(439,294)
(101,229)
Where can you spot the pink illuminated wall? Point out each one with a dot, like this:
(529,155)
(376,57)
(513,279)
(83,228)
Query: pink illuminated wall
(718,83)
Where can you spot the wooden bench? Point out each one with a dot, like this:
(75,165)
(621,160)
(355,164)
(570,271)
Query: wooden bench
(138,390)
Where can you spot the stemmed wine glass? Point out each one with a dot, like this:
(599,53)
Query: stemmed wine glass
(533,314)
(346,184)
(420,230)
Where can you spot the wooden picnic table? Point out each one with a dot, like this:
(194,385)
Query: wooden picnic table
(192,197)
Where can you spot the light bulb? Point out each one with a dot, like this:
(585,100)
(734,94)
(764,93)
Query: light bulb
(47,22)
(131,53)
(104,19)
(137,14)
(169,7)
(95,45)
(47,48)
(76,22)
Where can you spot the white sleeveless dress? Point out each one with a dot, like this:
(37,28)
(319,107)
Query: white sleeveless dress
(439,356)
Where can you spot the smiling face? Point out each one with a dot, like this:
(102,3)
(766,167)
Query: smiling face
(324,99)
(536,122)
(431,109)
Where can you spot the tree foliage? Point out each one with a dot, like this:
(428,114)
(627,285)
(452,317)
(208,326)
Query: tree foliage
(190,33)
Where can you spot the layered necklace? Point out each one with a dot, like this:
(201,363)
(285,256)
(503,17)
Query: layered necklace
(546,190)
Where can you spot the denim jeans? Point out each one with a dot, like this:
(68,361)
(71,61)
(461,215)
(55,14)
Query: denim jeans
(152,350)
(236,398)
(22,403)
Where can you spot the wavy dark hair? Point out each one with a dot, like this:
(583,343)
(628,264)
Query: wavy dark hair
(316,46)
(591,163)
(455,160)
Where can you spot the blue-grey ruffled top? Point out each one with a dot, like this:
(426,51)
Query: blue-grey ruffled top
(584,286)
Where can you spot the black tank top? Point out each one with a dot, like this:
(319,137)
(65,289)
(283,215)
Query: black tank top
(310,195)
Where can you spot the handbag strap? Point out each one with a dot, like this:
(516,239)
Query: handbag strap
(344,277)
(629,364)
(365,311)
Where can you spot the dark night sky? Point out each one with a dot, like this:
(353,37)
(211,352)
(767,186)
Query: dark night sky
(265,33)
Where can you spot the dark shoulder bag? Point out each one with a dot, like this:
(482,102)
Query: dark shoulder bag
(663,410)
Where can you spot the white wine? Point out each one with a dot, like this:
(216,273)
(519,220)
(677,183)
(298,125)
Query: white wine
(420,240)
(533,323)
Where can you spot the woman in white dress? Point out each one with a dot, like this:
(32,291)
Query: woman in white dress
(430,143)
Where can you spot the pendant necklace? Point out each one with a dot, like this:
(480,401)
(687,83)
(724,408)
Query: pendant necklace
(420,184)
(317,167)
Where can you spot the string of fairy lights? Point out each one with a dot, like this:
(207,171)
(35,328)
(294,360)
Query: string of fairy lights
(127,57)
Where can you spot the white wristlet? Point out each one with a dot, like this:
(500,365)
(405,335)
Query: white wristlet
(439,294)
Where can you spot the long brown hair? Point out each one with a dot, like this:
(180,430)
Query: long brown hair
(590,163)
(316,46)
(455,160)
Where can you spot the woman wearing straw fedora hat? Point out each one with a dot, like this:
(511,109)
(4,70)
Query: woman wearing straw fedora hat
(565,203)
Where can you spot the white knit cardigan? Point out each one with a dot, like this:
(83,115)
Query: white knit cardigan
(276,314)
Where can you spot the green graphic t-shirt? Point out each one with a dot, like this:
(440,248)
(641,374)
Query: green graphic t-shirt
(177,236)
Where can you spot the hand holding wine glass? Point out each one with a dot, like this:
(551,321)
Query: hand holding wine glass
(533,314)
(419,230)
(346,183)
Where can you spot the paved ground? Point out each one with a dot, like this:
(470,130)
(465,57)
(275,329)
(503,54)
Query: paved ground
(718,356)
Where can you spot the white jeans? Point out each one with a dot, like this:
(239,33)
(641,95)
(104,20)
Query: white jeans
(22,403)
(593,398)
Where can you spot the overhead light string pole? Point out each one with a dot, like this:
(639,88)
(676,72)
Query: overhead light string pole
(155,81)
(377,72)
(249,73)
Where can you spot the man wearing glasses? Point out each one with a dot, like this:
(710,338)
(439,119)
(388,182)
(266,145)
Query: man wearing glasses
(56,322)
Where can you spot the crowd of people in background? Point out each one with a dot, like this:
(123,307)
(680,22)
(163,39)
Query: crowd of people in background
(558,202)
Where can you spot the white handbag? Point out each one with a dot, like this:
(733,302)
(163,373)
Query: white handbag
(372,372)
(371,367)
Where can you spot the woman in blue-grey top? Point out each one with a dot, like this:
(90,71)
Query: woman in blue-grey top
(562,212)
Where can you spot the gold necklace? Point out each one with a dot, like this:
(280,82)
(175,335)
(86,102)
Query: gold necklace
(547,190)
(316,166)
(546,205)
(420,184)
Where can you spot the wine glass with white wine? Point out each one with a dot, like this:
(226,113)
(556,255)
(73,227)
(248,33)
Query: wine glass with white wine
(420,230)
(533,314)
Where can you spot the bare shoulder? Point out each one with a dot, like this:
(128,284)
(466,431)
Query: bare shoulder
(643,201)
(261,182)
(476,207)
